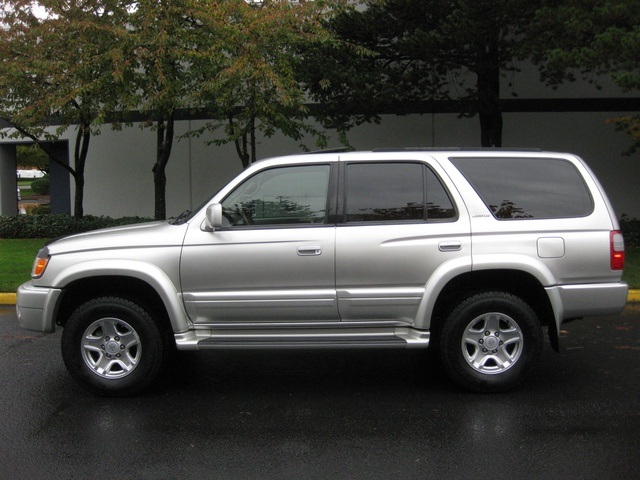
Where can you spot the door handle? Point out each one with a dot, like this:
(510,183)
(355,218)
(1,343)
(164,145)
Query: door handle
(450,246)
(309,251)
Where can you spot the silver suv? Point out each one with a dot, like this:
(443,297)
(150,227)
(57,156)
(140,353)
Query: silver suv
(471,251)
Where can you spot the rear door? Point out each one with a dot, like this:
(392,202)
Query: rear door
(397,225)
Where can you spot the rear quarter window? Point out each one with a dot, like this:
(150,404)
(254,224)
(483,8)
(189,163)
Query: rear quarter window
(527,188)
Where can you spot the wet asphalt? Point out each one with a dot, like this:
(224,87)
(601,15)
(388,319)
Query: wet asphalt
(327,415)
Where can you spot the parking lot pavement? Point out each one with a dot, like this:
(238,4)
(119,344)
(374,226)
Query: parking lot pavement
(351,415)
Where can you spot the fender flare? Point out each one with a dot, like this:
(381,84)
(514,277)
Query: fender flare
(522,263)
(152,275)
(434,286)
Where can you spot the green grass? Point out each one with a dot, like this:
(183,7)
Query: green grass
(16,259)
(631,273)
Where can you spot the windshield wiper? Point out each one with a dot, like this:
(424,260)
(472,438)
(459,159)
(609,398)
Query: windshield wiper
(180,219)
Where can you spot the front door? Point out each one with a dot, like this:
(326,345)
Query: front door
(273,260)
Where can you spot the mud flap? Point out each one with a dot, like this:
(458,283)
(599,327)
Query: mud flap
(556,319)
(554,337)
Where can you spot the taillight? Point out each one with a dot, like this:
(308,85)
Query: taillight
(617,250)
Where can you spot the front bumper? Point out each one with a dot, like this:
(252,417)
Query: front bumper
(35,307)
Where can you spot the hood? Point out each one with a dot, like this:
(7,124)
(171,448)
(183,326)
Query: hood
(153,234)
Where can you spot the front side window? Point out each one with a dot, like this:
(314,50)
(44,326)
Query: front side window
(280,196)
(395,191)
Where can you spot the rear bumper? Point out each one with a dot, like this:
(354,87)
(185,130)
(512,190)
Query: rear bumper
(35,307)
(590,299)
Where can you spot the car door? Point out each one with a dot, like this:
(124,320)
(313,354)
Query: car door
(274,258)
(398,225)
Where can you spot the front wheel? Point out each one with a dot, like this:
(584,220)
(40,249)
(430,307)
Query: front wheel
(490,341)
(112,346)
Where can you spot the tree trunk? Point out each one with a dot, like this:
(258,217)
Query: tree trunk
(240,142)
(164,142)
(489,104)
(160,187)
(252,133)
(80,159)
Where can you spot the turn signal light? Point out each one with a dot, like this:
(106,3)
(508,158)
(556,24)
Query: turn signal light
(39,267)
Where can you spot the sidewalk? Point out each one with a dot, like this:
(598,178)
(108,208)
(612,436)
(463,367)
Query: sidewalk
(10,298)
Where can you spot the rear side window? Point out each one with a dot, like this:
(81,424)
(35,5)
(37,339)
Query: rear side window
(395,192)
(528,188)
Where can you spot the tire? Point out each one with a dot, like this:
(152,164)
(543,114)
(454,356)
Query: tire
(111,346)
(490,341)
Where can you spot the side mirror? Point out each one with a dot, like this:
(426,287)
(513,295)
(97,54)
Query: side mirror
(213,218)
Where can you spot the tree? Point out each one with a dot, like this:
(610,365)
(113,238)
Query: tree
(60,70)
(255,87)
(407,52)
(588,39)
(161,38)
(32,156)
(93,61)
(229,59)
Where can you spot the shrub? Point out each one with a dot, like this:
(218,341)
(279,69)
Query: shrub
(42,209)
(630,230)
(40,186)
(58,225)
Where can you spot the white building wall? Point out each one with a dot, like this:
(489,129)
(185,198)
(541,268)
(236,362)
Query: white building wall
(119,180)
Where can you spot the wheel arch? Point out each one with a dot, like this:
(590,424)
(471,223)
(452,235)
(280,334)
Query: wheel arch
(155,293)
(521,284)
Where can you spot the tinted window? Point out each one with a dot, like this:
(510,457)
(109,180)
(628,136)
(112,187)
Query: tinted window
(383,192)
(527,188)
(439,205)
(287,195)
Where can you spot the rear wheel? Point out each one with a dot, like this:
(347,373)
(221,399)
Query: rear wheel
(490,341)
(112,346)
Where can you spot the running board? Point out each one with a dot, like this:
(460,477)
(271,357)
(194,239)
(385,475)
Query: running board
(302,343)
(199,340)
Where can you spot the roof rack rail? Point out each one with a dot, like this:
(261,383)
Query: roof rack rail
(414,149)
(461,149)
(330,150)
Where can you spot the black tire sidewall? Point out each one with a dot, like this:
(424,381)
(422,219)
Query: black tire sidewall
(137,317)
(450,344)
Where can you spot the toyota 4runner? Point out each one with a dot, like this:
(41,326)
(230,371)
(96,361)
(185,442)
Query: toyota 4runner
(471,251)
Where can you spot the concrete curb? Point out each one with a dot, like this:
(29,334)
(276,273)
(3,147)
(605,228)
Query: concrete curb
(7,298)
(10,298)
